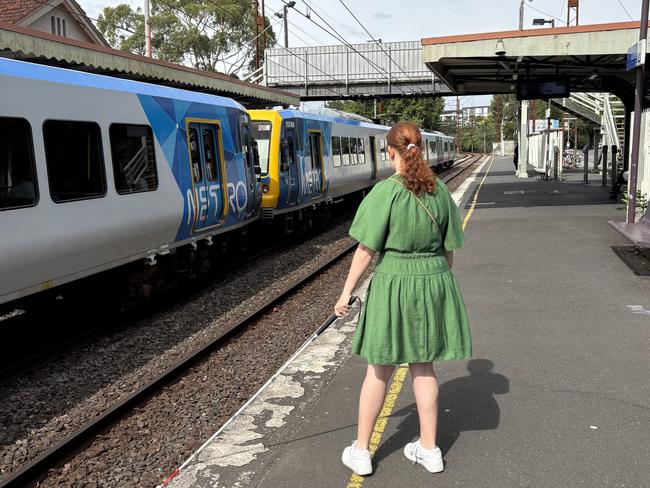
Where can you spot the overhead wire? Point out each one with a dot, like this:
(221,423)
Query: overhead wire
(292,53)
(545,13)
(623,7)
(340,38)
(390,59)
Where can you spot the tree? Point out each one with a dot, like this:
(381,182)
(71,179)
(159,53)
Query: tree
(207,34)
(425,111)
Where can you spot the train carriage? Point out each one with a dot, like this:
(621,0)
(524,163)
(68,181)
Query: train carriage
(96,172)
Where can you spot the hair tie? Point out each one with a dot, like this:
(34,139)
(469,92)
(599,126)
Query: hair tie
(410,146)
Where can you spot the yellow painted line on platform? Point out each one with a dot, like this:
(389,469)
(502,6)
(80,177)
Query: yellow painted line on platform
(475,199)
(380,425)
(395,387)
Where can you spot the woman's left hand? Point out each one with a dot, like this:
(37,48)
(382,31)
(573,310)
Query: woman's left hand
(341,308)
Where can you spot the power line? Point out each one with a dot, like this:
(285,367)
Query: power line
(340,38)
(290,52)
(623,7)
(545,13)
(390,59)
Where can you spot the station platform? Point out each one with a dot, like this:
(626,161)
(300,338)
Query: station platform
(557,392)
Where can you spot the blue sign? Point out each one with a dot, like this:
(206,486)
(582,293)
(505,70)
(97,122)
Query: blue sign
(636,56)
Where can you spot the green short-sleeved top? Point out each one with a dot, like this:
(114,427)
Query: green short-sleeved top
(391,219)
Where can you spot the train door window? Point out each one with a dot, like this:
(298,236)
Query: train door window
(432,146)
(345,149)
(354,150)
(195,155)
(315,150)
(373,148)
(210,153)
(336,151)
(361,151)
(18,186)
(134,158)
(426,148)
(75,162)
(382,149)
(261,130)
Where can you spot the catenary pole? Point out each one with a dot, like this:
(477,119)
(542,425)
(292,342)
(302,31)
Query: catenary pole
(638,113)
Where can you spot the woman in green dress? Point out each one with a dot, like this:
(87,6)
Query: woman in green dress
(414,312)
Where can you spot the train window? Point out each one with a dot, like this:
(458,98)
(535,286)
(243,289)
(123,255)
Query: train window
(336,151)
(18,186)
(75,162)
(261,130)
(382,149)
(134,158)
(361,151)
(354,150)
(209,153)
(315,149)
(345,150)
(195,155)
(426,149)
(432,146)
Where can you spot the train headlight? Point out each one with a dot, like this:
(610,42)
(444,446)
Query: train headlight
(265,188)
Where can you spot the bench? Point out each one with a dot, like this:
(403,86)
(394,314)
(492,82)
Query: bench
(638,233)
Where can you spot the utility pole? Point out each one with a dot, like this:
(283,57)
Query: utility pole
(521,15)
(259,27)
(638,113)
(458,116)
(286,26)
(147,29)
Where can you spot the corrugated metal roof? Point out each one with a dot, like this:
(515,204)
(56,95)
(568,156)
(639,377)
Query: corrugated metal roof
(31,45)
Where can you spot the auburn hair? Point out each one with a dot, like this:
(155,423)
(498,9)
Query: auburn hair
(418,177)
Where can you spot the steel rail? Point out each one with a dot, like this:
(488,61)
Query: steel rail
(36,468)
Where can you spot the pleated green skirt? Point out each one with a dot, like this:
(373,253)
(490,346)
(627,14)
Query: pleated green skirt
(413,313)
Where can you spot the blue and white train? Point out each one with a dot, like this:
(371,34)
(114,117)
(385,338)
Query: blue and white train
(99,172)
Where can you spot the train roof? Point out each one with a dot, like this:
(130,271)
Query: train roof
(21,69)
(299,114)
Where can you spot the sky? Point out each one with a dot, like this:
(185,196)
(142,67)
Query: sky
(415,19)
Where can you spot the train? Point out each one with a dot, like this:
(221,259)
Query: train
(99,173)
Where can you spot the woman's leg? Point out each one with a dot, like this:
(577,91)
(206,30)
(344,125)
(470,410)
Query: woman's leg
(371,400)
(425,386)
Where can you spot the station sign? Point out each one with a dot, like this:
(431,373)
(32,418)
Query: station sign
(636,55)
(541,125)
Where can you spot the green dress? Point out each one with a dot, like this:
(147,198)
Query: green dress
(414,311)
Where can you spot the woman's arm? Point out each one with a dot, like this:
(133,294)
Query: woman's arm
(450,258)
(360,262)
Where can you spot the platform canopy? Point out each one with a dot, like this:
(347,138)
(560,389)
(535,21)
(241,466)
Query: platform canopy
(591,57)
(35,46)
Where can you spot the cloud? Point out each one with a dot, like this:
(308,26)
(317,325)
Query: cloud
(382,16)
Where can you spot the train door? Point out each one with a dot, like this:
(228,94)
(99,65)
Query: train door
(208,180)
(373,159)
(250,169)
(289,170)
(316,181)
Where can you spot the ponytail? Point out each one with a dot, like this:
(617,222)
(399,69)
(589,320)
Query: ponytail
(405,138)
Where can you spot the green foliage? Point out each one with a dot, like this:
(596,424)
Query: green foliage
(200,33)
(641,201)
(425,112)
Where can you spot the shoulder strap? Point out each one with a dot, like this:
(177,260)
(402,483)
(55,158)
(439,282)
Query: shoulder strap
(419,201)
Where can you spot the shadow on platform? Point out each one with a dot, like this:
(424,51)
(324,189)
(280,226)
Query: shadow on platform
(466,404)
(527,193)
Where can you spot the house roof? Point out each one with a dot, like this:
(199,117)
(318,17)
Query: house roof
(15,10)
(42,47)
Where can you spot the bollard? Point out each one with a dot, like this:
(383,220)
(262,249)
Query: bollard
(604,173)
(613,173)
(585,150)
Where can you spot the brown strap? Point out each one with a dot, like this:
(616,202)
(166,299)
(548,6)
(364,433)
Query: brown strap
(420,202)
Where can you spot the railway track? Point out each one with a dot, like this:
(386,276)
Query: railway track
(75,442)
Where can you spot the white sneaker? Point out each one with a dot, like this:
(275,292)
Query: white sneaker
(357,460)
(431,459)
